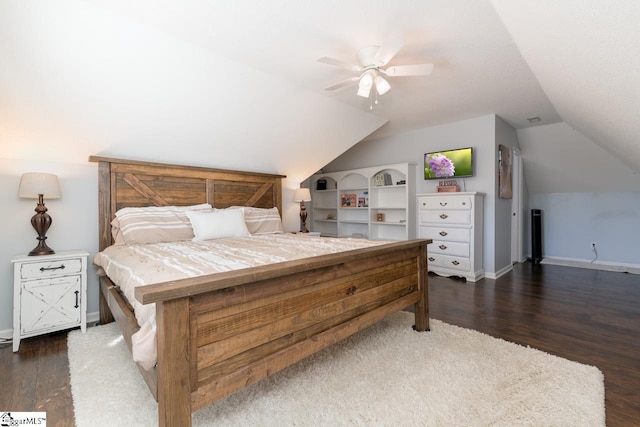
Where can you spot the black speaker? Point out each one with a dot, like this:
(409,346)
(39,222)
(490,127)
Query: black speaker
(536,235)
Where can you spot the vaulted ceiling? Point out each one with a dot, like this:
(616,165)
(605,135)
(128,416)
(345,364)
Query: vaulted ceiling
(238,83)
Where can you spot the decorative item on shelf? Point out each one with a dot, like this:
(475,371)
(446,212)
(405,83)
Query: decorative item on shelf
(331,215)
(378,179)
(36,186)
(402,182)
(321,184)
(362,202)
(302,195)
(348,200)
(380,217)
(448,186)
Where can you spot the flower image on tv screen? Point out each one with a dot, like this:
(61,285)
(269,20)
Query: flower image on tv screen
(448,164)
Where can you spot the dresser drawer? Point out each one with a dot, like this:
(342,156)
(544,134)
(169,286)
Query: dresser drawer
(450,262)
(446,233)
(36,270)
(445,217)
(446,202)
(450,248)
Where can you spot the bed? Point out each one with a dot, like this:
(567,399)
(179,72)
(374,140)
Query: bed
(357,288)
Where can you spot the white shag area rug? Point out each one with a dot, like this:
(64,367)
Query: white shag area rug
(386,375)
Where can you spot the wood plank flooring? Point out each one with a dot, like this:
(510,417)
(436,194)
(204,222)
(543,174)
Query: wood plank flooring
(589,316)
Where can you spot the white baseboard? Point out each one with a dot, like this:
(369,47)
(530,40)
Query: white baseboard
(498,273)
(6,334)
(594,265)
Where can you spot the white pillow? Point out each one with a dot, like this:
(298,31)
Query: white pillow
(218,224)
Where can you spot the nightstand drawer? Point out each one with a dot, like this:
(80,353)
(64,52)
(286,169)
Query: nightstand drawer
(60,267)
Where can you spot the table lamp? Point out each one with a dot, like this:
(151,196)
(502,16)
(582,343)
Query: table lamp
(37,186)
(302,195)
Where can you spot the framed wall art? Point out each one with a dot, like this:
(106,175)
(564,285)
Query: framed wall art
(504,172)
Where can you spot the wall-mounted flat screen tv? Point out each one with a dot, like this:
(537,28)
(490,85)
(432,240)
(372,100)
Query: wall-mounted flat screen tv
(456,163)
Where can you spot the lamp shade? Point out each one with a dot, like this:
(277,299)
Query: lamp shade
(302,195)
(382,86)
(33,184)
(365,85)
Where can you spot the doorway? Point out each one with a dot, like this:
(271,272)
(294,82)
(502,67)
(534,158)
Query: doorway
(516,206)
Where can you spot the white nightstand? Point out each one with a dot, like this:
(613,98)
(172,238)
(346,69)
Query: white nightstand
(49,294)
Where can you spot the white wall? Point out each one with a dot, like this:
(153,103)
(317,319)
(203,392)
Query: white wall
(571,221)
(585,194)
(559,159)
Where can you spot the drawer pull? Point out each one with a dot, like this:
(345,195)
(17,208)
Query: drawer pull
(443,233)
(61,267)
(77,295)
(455,262)
(431,258)
(444,216)
(443,204)
(443,247)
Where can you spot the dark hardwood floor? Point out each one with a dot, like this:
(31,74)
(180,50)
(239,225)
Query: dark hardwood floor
(588,316)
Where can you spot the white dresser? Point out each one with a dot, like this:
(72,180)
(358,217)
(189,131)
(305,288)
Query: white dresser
(454,222)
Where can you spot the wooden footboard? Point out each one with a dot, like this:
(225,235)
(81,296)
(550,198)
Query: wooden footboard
(222,332)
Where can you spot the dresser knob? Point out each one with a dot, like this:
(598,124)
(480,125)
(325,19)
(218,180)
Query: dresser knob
(444,216)
(443,204)
(455,262)
(443,247)
(431,258)
(443,233)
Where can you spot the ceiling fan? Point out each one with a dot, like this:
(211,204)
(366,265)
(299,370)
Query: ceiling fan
(371,59)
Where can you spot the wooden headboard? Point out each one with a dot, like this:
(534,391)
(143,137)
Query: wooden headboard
(130,183)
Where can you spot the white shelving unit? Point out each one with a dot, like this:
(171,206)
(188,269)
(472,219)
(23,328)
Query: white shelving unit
(359,203)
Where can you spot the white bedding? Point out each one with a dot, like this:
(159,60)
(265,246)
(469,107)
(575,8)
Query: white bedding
(129,266)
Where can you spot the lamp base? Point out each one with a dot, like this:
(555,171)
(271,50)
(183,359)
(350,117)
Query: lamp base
(41,222)
(303,218)
(42,249)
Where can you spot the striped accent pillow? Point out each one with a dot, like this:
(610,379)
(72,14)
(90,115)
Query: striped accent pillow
(155,224)
(262,220)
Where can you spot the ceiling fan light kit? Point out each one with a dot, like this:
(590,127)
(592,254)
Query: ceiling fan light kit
(371,60)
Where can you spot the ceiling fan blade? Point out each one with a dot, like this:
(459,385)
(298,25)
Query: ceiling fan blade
(340,64)
(409,70)
(388,51)
(343,83)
